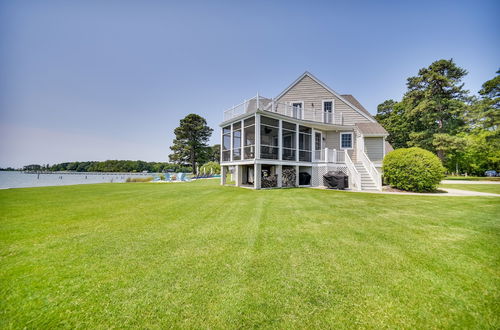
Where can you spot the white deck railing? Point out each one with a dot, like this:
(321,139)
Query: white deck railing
(372,170)
(328,155)
(286,109)
(355,177)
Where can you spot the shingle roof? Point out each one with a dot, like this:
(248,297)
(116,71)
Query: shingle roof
(355,102)
(371,129)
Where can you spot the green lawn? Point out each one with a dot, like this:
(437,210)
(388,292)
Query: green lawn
(488,188)
(197,255)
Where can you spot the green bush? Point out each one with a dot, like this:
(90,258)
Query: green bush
(413,169)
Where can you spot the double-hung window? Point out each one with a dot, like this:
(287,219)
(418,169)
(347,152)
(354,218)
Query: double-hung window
(346,140)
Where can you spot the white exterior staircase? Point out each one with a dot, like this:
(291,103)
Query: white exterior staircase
(367,183)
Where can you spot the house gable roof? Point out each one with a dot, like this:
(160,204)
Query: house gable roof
(355,102)
(343,98)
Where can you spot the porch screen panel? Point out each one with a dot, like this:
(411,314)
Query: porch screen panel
(226,144)
(249,138)
(305,144)
(289,139)
(269,134)
(236,141)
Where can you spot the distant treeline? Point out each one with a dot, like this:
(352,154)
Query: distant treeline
(7,169)
(110,166)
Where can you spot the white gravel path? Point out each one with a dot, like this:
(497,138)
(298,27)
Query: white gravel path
(449,192)
(468,182)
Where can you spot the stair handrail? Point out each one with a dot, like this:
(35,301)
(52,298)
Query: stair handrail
(372,170)
(356,178)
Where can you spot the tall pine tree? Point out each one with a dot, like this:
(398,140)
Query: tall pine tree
(190,143)
(432,109)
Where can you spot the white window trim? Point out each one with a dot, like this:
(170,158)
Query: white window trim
(302,105)
(352,140)
(329,100)
(333,108)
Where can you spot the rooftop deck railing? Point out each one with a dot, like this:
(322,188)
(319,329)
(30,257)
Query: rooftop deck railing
(286,109)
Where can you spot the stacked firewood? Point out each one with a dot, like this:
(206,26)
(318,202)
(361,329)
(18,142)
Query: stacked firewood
(269,181)
(289,177)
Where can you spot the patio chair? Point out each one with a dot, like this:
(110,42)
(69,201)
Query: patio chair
(167,177)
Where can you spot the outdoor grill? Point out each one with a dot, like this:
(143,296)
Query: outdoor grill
(336,180)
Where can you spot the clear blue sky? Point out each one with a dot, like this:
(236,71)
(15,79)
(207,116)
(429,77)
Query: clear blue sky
(96,80)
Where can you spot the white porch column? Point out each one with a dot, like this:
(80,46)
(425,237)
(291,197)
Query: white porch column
(313,141)
(297,176)
(297,142)
(223,174)
(221,145)
(279,175)
(257,176)
(237,173)
(326,156)
(280,140)
(242,141)
(257,136)
(360,143)
(231,144)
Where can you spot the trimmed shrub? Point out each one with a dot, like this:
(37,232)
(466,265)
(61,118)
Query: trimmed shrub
(413,169)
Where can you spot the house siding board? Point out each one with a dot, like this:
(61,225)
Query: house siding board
(333,142)
(374,148)
(312,93)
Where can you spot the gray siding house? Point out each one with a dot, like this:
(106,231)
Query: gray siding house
(295,138)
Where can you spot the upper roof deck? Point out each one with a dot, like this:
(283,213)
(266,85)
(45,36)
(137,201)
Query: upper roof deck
(293,110)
